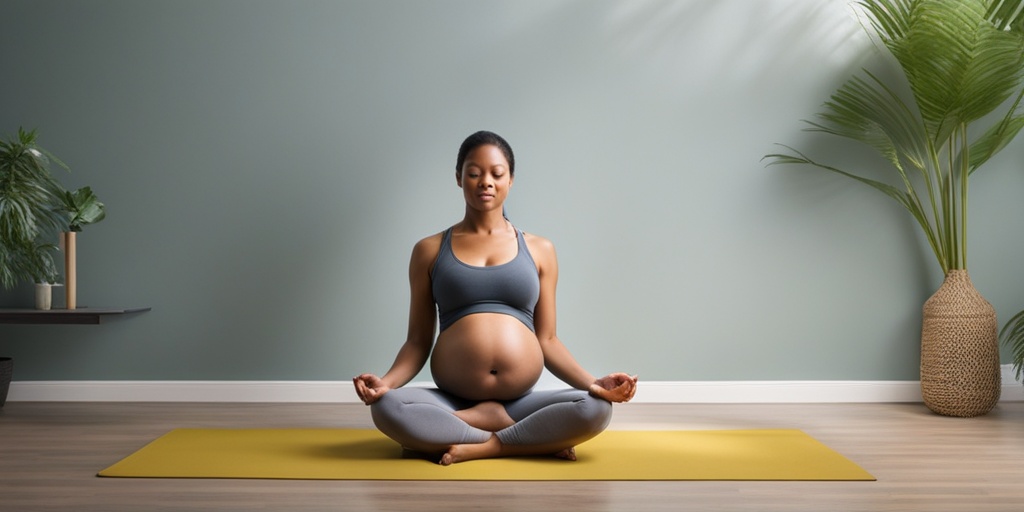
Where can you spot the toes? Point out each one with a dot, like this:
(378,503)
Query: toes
(447,459)
(567,454)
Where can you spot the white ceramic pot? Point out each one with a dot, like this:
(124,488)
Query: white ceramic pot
(44,296)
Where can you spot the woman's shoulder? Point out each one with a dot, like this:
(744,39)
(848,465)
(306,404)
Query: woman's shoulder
(429,246)
(534,237)
(425,253)
(538,244)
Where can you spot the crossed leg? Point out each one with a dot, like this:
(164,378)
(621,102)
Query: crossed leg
(542,422)
(493,448)
(492,417)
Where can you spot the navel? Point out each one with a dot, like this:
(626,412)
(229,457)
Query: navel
(494,372)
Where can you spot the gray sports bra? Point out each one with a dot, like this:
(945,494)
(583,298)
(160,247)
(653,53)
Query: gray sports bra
(459,289)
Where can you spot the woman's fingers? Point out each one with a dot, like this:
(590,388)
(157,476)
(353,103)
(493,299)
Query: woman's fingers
(627,389)
(363,390)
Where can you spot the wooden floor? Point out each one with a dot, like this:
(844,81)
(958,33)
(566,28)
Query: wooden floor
(50,452)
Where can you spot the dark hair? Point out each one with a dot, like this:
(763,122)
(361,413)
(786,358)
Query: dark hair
(483,138)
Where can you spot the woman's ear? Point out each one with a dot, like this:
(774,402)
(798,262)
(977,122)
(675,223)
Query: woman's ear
(458,178)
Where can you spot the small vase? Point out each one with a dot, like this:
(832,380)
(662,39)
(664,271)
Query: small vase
(960,373)
(44,296)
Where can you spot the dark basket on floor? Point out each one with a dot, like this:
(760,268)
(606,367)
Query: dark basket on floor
(6,370)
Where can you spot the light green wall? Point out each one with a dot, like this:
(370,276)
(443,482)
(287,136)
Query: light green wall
(267,166)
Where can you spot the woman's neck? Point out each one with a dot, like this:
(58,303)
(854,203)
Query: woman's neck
(485,222)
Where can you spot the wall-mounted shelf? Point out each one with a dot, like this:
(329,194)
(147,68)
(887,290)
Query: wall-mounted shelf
(90,316)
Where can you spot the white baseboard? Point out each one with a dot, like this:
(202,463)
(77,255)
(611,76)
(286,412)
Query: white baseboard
(341,391)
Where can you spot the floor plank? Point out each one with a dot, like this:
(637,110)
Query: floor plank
(50,453)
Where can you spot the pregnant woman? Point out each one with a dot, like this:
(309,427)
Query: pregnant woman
(492,287)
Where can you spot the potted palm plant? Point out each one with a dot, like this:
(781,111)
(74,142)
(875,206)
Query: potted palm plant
(28,194)
(962,62)
(37,259)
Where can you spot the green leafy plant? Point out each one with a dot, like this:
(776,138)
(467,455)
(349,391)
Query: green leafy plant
(28,196)
(35,260)
(82,207)
(962,61)
(1013,336)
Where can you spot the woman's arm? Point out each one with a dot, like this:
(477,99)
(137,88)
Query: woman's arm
(617,387)
(422,321)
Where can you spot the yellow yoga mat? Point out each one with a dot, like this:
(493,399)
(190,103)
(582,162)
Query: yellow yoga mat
(347,454)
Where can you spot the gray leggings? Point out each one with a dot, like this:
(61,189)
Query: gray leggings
(423,419)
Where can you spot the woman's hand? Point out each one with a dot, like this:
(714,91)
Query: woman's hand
(616,387)
(370,387)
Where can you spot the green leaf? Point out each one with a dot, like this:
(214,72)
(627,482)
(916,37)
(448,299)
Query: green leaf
(83,207)
(1006,14)
(994,140)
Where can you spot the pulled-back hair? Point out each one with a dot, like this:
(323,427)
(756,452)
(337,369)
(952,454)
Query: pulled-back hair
(483,138)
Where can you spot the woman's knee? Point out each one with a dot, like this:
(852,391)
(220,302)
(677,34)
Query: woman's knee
(385,410)
(391,417)
(594,412)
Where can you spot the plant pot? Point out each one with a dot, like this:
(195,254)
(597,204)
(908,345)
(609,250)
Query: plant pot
(44,296)
(6,370)
(960,373)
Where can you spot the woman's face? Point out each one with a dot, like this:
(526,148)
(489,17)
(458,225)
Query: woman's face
(485,178)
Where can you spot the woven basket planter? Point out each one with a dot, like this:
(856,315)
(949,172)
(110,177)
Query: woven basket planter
(959,350)
(6,371)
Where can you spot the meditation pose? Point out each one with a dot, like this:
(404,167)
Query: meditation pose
(492,287)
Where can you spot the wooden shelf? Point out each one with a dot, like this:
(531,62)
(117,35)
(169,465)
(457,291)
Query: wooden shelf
(88,316)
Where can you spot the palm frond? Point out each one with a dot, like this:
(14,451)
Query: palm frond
(959,66)
(907,200)
(962,61)
(888,18)
(997,137)
(28,197)
(1007,14)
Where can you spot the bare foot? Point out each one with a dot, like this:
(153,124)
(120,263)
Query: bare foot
(489,416)
(493,448)
(567,454)
(464,452)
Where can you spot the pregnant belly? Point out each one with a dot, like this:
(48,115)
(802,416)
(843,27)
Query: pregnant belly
(487,356)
